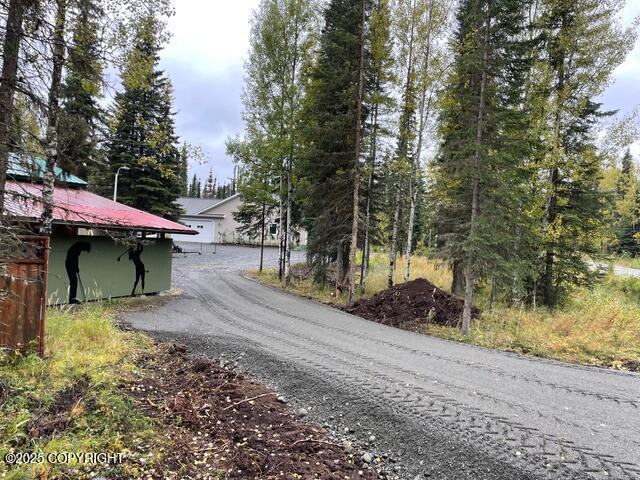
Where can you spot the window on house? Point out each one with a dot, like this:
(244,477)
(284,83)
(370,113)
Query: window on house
(273,228)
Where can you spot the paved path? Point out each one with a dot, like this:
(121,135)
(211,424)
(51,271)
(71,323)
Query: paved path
(444,409)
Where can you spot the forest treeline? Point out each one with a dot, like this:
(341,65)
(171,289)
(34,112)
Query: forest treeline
(81,87)
(472,130)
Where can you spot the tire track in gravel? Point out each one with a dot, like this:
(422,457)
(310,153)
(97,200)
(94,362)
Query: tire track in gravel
(635,402)
(503,409)
(546,451)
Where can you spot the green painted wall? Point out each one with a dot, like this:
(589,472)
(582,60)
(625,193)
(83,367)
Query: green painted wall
(101,274)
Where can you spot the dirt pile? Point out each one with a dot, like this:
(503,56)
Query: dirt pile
(410,304)
(217,420)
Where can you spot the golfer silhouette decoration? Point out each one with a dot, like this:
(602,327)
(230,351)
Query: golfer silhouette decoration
(72,264)
(134,256)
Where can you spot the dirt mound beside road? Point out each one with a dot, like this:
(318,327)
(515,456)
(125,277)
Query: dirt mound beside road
(221,424)
(410,304)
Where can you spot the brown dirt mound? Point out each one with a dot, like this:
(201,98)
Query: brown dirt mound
(217,420)
(410,304)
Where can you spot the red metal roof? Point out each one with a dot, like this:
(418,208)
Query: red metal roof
(81,208)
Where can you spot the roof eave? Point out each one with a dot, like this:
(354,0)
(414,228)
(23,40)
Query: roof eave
(136,228)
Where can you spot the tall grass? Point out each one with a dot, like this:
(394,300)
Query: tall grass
(598,326)
(421,267)
(76,388)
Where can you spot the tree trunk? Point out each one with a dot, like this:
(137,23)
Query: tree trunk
(475,199)
(10,57)
(264,213)
(353,248)
(364,268)
(548,296)
(415,166)
(289,228)
(280,233)
(403,150)
(457,280)
(393,252)
(340,270)
(51,140)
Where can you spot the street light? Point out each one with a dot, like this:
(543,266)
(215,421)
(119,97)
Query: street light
(115,185)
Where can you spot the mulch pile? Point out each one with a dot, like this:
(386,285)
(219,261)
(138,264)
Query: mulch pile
(217,420)
(409,305)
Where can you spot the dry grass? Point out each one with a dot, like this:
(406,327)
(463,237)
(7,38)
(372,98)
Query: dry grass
(597,327)
(421,267)
(600,326)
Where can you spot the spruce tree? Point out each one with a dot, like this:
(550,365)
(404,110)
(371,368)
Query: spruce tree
(81,117)
(209,190)
(192,187)
(183,170)
(480,177)
(579,63)
(143,135)
(330,137)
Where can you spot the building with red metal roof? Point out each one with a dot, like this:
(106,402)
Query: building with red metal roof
(99,248)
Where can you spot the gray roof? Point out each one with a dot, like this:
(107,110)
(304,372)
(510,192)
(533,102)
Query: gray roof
(193,206)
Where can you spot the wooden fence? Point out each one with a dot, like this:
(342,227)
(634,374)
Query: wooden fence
(23,303)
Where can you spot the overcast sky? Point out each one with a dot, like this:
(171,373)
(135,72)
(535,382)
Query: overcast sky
(205,57)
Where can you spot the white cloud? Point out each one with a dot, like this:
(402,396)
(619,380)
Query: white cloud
(204,59)
(210,35)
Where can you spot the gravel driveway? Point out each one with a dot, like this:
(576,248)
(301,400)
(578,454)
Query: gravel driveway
(435,409)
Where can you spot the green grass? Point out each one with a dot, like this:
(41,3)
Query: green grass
(71,400)
(598,326)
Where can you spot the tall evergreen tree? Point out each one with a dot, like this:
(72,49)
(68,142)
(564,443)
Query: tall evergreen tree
(143,136)
(194,187)
(183,170)
(480,175)
(81,117)
(582,45)
(332,126)
(209,190)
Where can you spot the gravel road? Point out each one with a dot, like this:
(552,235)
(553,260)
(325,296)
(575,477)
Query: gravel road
(435,409)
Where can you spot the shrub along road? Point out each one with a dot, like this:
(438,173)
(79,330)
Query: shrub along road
(441,409)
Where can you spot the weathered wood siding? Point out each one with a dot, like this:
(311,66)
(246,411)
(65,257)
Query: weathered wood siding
(22,307)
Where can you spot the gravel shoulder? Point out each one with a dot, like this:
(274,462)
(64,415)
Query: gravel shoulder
(435,409)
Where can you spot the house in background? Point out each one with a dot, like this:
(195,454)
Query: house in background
(213,220)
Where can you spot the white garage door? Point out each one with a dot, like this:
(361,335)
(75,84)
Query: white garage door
(205,229)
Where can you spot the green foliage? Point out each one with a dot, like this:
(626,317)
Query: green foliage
(483,125)
(143,134)
(77,388)
(183,170)
(195,190)
(282,36)
(81,117)
(330,135)
(210,189)
(582,44)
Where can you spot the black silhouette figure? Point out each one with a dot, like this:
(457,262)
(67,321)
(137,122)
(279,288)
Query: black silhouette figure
(134,256)
(73,269)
